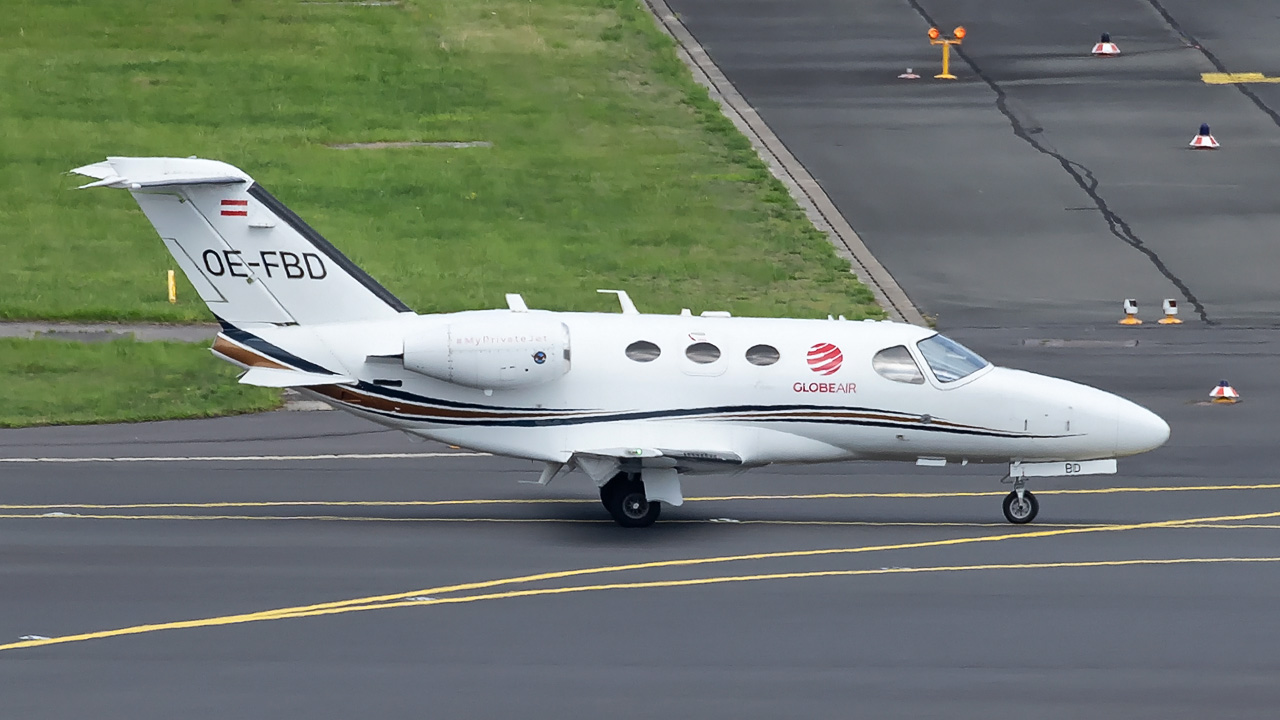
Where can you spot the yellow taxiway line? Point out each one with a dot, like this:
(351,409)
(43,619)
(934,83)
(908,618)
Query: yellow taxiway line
(601,521)
(768,576)
(424,596)
(1215,78)
(556,501)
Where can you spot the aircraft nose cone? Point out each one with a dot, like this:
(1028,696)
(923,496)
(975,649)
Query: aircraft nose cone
(1138,429)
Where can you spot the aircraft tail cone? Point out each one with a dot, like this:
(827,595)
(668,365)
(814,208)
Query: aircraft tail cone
(1224,393)
(1106,48)
(1204,139)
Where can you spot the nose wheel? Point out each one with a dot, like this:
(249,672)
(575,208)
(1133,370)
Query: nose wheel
(1020,506)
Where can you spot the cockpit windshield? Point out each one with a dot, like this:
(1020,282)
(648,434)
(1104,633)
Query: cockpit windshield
(948,359)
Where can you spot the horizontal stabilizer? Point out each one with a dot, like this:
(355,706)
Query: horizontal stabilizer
(136,173)
(283,377)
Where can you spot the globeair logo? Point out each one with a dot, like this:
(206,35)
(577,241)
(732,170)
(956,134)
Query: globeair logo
(825,358)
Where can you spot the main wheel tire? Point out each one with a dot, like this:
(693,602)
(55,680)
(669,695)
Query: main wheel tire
(1020,512)
(625,500)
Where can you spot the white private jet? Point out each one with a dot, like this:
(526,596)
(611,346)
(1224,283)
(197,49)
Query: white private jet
(635,401)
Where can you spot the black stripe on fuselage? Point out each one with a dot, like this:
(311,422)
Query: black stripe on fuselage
(249,340)
(396,394)
(675,414)
(709,413)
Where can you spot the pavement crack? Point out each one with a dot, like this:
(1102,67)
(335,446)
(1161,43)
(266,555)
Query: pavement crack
(1082,175)
(1190,40)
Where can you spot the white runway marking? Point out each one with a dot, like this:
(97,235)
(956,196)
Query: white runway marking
(244,458)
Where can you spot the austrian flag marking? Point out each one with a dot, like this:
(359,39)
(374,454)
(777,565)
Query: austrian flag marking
(235,208)
(825,358)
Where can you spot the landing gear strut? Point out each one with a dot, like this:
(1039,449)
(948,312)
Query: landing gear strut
(1020,506)
(624,498)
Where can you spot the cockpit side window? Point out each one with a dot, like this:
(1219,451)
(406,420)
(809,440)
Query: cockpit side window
(896,364)
(948,359)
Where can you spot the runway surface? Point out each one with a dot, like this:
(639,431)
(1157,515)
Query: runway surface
(300,565)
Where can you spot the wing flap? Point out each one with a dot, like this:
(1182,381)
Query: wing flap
(639,453)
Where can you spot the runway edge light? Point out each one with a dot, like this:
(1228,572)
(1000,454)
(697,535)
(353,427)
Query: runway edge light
(1224,393)
(1130,313)
(1106,48)
(909,75)
(1170,313)
(1204,140)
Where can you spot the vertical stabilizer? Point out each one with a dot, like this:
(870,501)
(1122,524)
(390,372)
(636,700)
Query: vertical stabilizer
(250,258)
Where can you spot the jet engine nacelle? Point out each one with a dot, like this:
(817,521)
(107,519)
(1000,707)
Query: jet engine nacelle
(491,353)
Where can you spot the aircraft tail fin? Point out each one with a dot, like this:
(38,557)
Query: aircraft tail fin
(250,258)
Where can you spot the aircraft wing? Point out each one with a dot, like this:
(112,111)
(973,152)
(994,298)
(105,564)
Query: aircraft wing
(661,467)
(284,377)
(680,456)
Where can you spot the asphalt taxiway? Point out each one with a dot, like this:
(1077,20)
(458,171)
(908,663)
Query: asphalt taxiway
(297,565)
(1044,184)
(309,564)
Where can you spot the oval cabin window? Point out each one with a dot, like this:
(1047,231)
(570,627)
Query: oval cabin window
(703,353)
(762,355)
(643,351)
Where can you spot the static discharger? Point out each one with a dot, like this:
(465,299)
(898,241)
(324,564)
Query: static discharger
(1224,394)
(1130,313)
(1106,48)
(935,38)
(1204,139)
(1170,313)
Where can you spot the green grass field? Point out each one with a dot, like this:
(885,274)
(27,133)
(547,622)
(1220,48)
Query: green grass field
(609,167)
(57,382)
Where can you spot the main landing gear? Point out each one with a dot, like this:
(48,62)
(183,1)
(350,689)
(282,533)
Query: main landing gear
(624,497)
(1020,506)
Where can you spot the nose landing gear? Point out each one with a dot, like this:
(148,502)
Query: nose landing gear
(1020,506)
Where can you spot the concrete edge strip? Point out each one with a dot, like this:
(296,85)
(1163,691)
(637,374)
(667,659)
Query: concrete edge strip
(804,189)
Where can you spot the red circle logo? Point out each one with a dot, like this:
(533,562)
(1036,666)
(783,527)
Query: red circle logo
(825,358)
